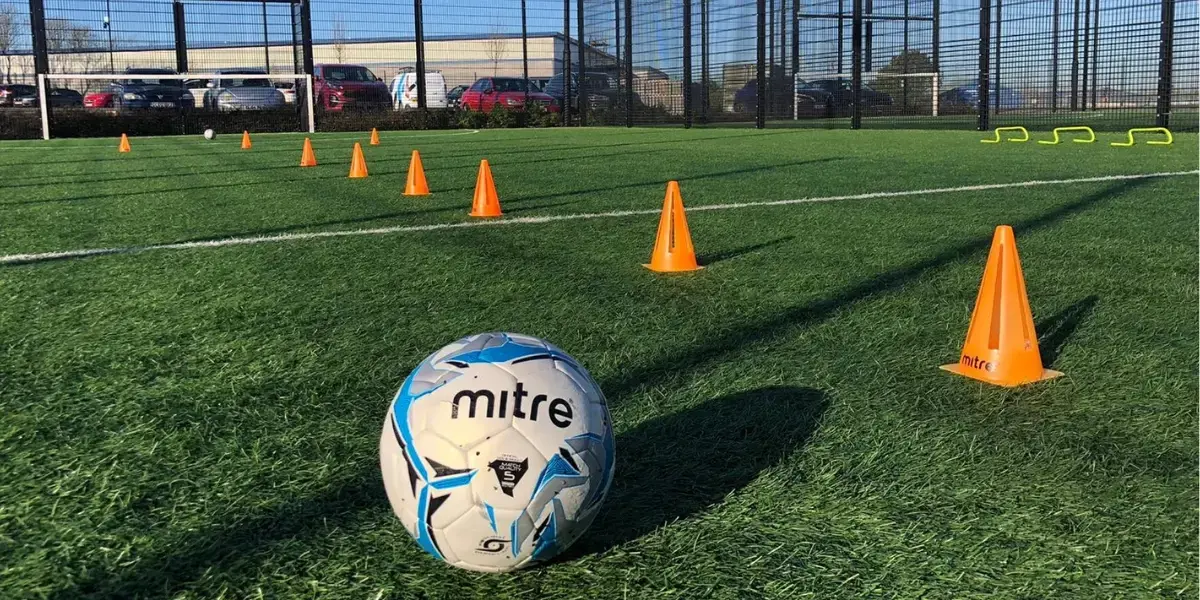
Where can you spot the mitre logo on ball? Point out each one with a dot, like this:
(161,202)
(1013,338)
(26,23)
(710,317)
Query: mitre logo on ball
(497,452)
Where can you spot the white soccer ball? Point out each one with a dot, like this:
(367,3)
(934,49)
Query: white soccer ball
(497,452)
(209,134)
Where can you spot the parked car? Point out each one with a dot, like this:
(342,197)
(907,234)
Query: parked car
(141,90)
(338,87)
(197,88)
(506,92)
(966,98)
(454,96)
(601,92)
(59,97)
(288,89)
(404,90)
(841,94)
(11,91)
(239,89)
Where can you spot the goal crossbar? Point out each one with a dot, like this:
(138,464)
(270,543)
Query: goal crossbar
(44,87)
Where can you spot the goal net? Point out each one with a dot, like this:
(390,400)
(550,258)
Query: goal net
(883,93)
(152,102)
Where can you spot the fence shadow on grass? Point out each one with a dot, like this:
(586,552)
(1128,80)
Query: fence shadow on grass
(355,497)
(722,255)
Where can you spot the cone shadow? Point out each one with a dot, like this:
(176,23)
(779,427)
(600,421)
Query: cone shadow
(1057,329)
(716,257)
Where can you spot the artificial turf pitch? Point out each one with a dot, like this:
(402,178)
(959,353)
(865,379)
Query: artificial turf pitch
(203,423)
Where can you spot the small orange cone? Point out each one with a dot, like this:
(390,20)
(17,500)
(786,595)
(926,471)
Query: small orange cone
(1001,346)
(308,158)
(124,147)
(673,251)
(246,145)
(417,186)
(486,202)
(374,137)
(358,164)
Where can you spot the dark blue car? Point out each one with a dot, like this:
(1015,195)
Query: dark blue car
(967,97)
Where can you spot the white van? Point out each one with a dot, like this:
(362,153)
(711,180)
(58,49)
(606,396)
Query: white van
(404,90)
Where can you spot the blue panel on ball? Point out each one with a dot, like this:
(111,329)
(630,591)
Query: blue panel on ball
(491,515)
(546,543)
(557,467)
(509,351)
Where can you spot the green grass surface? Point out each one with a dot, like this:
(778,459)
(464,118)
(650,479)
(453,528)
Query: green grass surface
(204,423)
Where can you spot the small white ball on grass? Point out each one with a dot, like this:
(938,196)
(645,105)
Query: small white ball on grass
(209,134)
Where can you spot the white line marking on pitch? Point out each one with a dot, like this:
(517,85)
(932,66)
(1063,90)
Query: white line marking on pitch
(15,259)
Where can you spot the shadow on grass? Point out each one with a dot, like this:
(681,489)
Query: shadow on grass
(716,257)
(674,466)
(223,544)
(1055,330)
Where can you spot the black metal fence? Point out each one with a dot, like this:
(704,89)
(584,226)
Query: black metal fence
(766,63)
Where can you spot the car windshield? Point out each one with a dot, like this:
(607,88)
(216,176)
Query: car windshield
(163,82)
(246,83)
(510,85)
(348,74)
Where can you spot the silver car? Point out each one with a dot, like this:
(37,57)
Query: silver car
(237,90)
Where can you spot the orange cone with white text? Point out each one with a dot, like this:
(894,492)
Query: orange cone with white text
(486,202)
(416,185)
(1001,346)
(374,137)
(673,251)
(124,146)
(358,164)
(246,145)
(308,158)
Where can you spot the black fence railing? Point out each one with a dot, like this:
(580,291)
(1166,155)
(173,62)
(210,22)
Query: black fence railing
(1109,64)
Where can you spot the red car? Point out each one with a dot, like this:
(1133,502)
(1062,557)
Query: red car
(336,87)
(506,92)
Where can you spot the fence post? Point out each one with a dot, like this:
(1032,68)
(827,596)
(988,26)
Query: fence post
(1166,47)
(704,81)
(687,63)
(937,36)
(525,60)
(994,84)
(306,36)
(629,63)
(760,107)
(581,27)
(985,46)
(1057,16)
(566,72)
(181,57)
(419,40)
(856,63)
(1075,58)
(37,27)
(1095,49)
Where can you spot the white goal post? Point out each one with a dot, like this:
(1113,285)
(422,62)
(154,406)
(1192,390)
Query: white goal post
(45,80)
(874,78)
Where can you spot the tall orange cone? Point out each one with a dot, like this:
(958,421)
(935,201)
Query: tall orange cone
(673,251)
(374,137)
(308,158)
(124,147)
(246,145)
(417,186)
(358,164)
(1001,346)
(486,202)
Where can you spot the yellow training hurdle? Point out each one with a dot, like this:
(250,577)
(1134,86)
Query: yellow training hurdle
(1162,130)
(1022,130)
(1091,135)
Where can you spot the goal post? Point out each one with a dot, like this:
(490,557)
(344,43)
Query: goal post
(209,95)
(920,91)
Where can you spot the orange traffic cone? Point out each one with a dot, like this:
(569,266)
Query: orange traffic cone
(486,202)
(246,145)
(1001,346)
(308,158)
(417,186)
(358,164)
(124,147)
(673,251)
(374,137)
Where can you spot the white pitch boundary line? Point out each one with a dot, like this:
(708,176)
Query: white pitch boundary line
(16,259)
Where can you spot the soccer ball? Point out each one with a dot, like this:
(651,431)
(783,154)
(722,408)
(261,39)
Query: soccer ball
(497,452)
(209,134)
